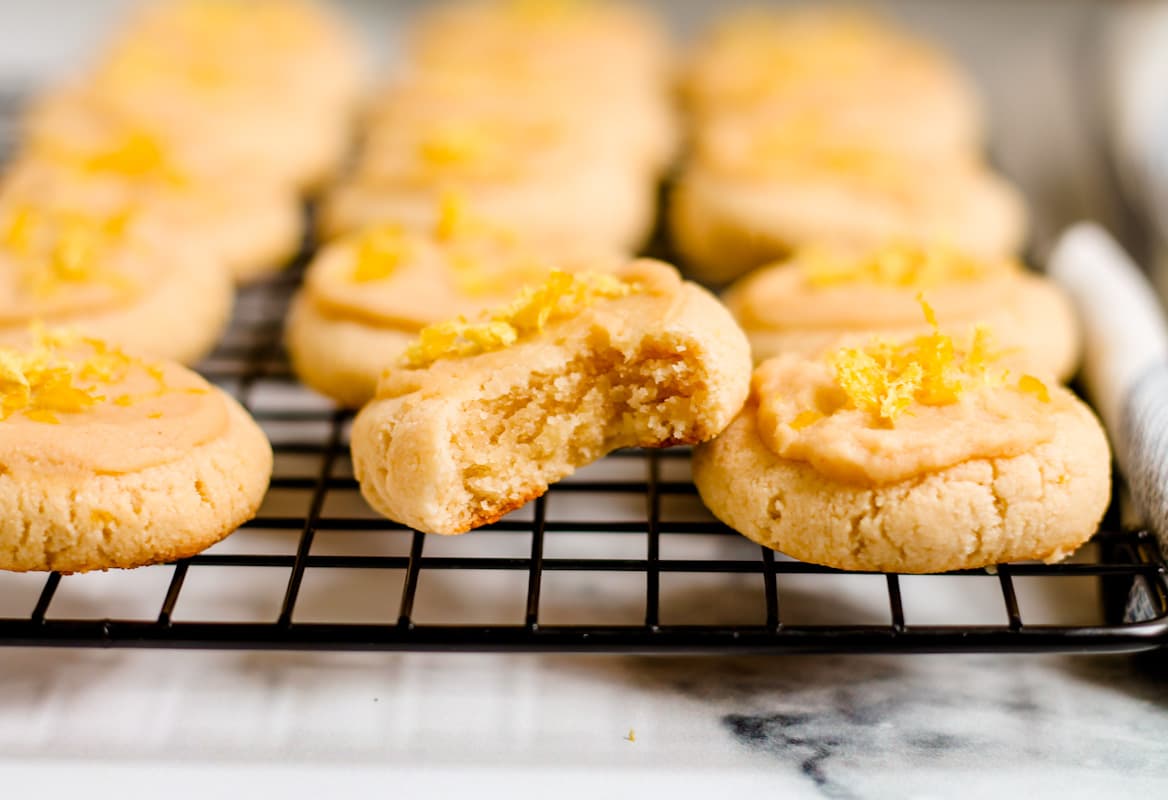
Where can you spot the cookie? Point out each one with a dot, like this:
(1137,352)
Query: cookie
(524,174)
(275,81)
(821,295)
(854,75)
(236,146)
(111,461)
(110,278)
(367,295)
(265,44)
(253,229)
(642,128)
(478,418)
(728,218)
(922,457)
(605,44)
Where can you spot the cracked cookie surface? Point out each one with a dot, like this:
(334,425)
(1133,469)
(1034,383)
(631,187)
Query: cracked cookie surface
(108,460)
(895,467)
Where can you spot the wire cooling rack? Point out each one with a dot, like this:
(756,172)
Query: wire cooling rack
(621,557)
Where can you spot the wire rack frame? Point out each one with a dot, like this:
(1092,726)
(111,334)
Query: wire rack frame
(1129,566)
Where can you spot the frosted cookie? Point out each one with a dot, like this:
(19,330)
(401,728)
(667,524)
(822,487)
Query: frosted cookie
(368,295)
(107,460)
(270,86)
(251,228)
(524,174)
(477,418)
(821,295)
(260,44)
(642,130)
(110,278)
(926,456)
(732,216)
(613,44)
(850,71)
(216,144)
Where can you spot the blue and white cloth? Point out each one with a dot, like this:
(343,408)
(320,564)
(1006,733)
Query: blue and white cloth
(1125,368)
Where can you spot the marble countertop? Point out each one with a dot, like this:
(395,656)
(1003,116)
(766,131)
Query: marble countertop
(823,726)
(130,723)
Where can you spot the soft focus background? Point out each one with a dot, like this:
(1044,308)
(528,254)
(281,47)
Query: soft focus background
(1038,62)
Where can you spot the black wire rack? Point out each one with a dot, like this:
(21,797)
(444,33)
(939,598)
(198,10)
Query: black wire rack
(1124,570)
(726,595)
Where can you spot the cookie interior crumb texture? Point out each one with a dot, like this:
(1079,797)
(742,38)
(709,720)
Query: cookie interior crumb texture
(466,440)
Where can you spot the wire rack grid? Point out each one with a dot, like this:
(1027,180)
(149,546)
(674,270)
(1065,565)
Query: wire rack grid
(650,571)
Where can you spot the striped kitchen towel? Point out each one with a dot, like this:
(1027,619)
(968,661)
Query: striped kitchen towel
(1125,368)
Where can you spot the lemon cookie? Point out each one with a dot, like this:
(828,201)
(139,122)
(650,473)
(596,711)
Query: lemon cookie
(529,175)
(273,81)
(642,130)
(111,279)
(478,418)
(820,295)
(252,228)
(108,460)
(613,45)
(81,117)
(367,295)
(261,44)
(728,217)
(853,73)
(925,456)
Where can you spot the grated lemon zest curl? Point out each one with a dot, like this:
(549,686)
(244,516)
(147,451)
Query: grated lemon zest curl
(886,379)
(562,295)
(899,264)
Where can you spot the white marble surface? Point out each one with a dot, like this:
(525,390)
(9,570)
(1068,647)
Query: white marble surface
(141,724)
(838,727)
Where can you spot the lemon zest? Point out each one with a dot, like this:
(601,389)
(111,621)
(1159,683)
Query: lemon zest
(886,379)
(805,419)
(562,295)
(379,252)
(45,380)
(899,264)
(1032,385)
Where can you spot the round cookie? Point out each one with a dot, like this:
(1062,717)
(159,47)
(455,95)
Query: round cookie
(729,218)
(582,46)
(641,129)
(253,229)
(919,458)
(273,82)
(81,118)
(261,44)
(479,417)
(555,192)
(366,296)
(110,279)
(855,74)
(108,461)
(820,296)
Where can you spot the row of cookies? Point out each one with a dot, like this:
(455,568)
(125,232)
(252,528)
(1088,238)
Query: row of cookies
(516,138)
(813,126)
(934,454)
(139,194)
(836,157)
(143,189)
(552,119)
(874,438)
